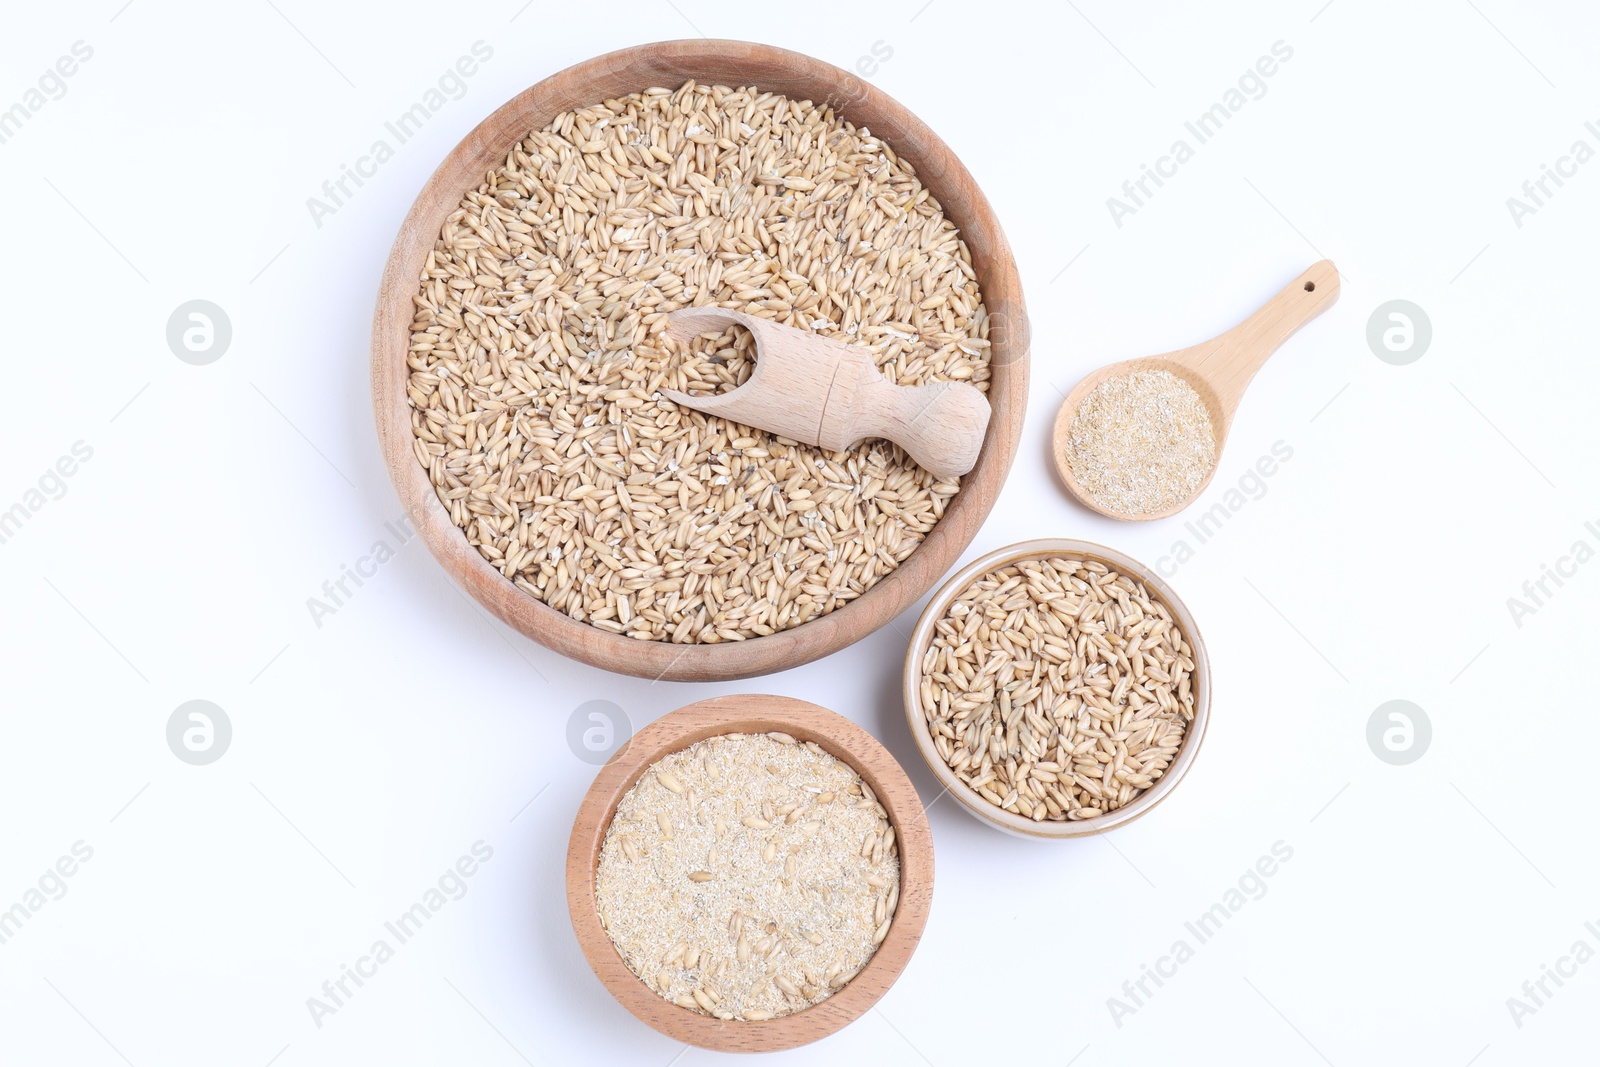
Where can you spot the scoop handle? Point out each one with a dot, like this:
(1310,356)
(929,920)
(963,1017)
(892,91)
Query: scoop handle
(940,425)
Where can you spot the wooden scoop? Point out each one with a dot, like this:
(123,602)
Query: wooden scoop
(829,393)
(1219,370)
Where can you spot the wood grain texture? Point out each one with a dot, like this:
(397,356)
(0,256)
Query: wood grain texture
(1220,370)
(670,64)
(753,714)
(827,392)
(969,798)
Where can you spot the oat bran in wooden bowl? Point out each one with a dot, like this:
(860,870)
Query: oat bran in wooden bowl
(692,900)
(517,353)
(1057,688)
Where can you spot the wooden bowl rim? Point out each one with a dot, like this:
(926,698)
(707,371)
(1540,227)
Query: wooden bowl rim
(940,171)
(922,637)
(753,713)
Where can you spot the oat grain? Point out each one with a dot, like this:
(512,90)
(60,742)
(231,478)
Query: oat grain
(538,354)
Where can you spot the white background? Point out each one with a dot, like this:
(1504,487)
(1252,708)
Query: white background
(368,754)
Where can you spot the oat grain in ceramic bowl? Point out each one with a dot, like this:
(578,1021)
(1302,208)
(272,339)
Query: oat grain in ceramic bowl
(1057,688)
(520,354)
(750,873)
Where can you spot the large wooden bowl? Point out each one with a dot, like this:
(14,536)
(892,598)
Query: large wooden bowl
(670,64)
(971,799)
(839,737)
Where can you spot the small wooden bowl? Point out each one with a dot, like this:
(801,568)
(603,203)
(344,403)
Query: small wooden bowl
(1010,822)
(671,63)
(840,738)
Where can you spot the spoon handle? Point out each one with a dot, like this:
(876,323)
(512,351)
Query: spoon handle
(1232,359)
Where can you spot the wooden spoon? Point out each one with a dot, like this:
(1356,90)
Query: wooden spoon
(829,393)
(1219,370)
